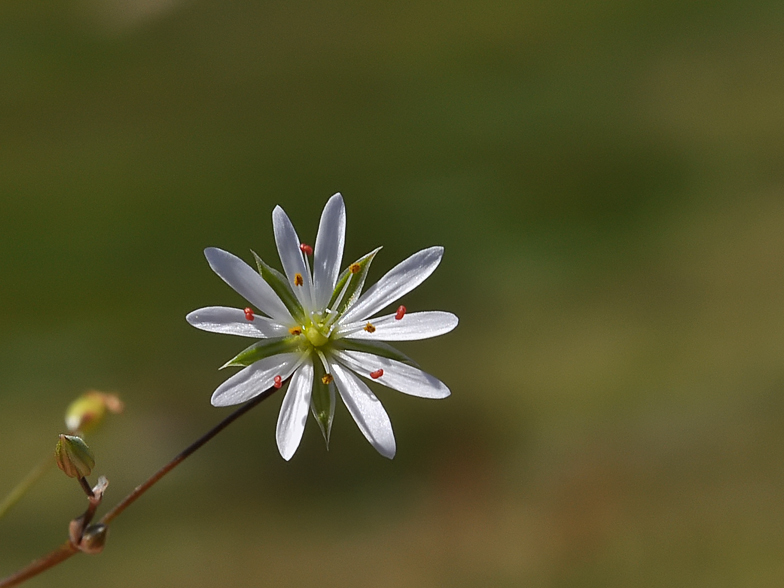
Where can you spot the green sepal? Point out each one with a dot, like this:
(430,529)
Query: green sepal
(356,282)
(322,400)
(277,281)
(262,349)
(374,347)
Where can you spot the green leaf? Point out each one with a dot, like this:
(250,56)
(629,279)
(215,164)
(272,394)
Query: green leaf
(262,349)
(374,347)
(322,400)
(280,285)
(355,283)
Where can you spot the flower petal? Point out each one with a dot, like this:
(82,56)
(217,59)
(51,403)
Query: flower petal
(398,376)
(368,413)
(329,250)
(232,321)
(248,283)
(398,281)
(294,410)
(292,258)
(414,325)
(255,379)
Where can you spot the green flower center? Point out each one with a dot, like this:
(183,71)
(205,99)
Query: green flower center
(315,335)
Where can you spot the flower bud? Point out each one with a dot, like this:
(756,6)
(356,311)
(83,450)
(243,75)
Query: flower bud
(74,457)
(87,411)
(93,539)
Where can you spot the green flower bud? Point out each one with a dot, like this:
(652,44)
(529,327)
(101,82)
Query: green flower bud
(74,457)
(87,411)
(93,539)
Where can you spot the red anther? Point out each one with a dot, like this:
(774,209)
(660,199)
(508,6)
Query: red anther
(278,381)
(401,312)
(306,249)
(377,374)
(249,314)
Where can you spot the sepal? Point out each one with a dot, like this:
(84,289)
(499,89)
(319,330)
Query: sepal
(262,349)
(322,400)
(277,281)
(352,282)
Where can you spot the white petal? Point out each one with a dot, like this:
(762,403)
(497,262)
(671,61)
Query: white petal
(398,281)
(414,325)
(255,379)
(328,252)
(291,257)
(232,321)
(248,283)
(294,410)
(397,375)
(368,413)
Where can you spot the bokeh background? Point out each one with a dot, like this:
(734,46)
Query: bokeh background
(608,181)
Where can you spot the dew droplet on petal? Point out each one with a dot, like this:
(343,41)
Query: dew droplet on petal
(278,381)
(249,314)
(354,268)
(369,328)
(298,281)
(295,331)
(377,374)
(327,379)
(306,249)
(401,312)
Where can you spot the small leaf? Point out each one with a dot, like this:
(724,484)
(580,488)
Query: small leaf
(280,285)
(262,349)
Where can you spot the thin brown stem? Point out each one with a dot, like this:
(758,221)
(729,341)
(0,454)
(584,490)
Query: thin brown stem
(57,556)
(68,549)
(86,487)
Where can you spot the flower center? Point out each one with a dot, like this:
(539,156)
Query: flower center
(315,336)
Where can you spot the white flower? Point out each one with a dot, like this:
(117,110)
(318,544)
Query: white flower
(316,328)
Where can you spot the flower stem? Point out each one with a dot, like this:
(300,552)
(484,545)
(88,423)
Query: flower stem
(68,549)
(25,484)
(86,487)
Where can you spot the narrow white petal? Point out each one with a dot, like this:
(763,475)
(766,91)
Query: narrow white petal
(291,257)
(398,281)
(232,321)
(328,252)
(255,379)
(368,413)
(398,376)
(294,410)
(248,283)
(414,325)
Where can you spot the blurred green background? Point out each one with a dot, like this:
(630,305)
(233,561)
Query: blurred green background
(608,181)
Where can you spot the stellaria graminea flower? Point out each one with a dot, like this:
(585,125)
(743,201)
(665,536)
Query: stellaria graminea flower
(317,328)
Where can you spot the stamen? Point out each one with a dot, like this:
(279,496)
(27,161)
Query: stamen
(298,281)
(370,328)
(354,268)
(377,374)
(401,312)
(306,249)
(249,314)
(278,381)
(295,331)
(327,379)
